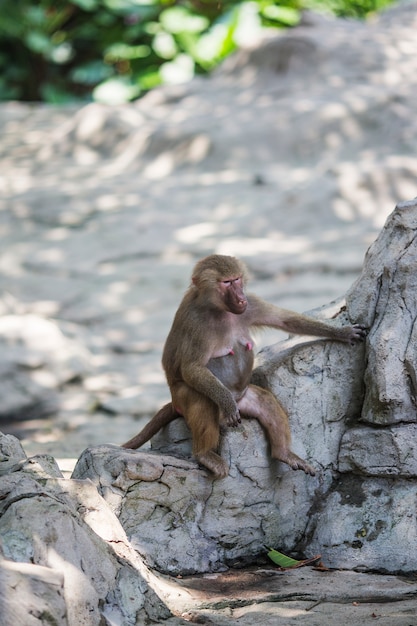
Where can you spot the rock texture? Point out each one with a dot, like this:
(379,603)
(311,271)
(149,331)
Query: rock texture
(365,506)
(64,558)
(378,465)
(183,522)
(31,594)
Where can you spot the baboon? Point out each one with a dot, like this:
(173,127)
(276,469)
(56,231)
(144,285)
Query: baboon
(208,359)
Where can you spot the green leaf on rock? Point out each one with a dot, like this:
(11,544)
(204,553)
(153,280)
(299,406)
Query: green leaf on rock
(286,562)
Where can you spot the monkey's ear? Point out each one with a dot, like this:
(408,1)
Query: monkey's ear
(196,281)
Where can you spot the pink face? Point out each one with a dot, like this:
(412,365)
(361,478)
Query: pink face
(233,295)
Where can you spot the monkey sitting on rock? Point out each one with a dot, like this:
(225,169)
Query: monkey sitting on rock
(208,359)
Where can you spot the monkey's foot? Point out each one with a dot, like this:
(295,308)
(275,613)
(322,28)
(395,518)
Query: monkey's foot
(214,463)
(296,463)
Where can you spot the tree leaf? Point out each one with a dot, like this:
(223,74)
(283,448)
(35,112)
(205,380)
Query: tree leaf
(286,562)
(281,559)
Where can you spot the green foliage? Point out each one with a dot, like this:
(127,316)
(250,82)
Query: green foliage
(114,50)
(351,9)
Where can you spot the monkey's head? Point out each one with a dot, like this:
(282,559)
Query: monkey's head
(221,279)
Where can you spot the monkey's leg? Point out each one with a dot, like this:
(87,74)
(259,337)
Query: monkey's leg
(202,417)
(164,416)
(262,405)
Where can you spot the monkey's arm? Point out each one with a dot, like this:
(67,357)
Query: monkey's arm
(261,313)
(194,339)
(200,378)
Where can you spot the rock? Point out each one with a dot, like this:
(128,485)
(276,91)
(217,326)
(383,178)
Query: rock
(11,454)
(301,596)
(167,504)
(31,595)
(319,383)
(25,398)
(385,297)
(72,550)
(388,452)
(364,507)
(41,466)
(367,525)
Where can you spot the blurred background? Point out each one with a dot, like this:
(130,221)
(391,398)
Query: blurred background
(137,137)
(113,51)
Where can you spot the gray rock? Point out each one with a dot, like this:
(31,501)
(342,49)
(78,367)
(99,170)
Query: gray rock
(367,524)
(319,384)
(66,550)
(360,517)
(385,296)
(13,458)
(32,595)
(181,521)
(41,466)
(305,596)
(11,454)
(387,452)
(24,398)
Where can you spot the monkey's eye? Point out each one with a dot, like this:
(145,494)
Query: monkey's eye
(230,281)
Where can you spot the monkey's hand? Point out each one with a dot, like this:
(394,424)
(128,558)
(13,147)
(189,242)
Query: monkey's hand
(232,419)
(356,333)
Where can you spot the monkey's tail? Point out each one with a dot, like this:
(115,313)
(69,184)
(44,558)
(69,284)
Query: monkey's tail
(164,416)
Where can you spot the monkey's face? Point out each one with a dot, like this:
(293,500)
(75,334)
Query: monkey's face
(233,295)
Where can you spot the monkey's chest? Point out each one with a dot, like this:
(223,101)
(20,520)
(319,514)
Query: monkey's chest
(234,368)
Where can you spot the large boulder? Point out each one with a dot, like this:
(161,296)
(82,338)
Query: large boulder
(358,508)
(370,507)
(64,557)
(366,504)
(182,521)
